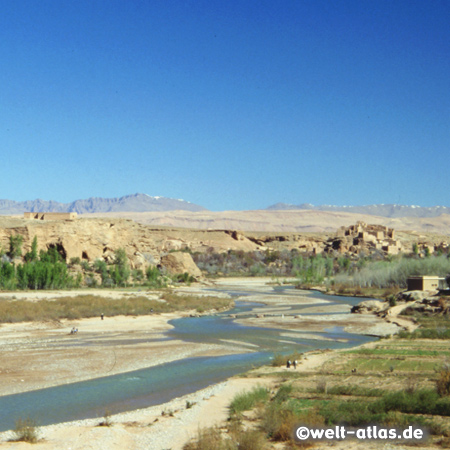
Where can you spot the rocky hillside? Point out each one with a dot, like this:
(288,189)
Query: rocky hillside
(93,238)
(90,239)
(131,203)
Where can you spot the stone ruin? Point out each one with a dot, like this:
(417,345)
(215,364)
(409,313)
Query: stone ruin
(364,238)
(50,215)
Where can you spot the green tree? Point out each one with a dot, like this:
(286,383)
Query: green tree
(121,271)
(33,254)
(51,255)
(101,268)
(344,263)
(7,276)
(15,246)
(154,277)
(137,275)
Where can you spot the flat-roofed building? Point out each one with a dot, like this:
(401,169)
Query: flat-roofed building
(50,216)
(426,283)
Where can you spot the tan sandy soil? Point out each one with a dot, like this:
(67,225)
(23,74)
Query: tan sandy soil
(279,221)
(38,355)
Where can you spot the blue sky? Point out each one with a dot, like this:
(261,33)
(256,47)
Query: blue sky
(228,104)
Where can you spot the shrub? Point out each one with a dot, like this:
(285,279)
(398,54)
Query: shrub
(322,385)
(87,268)
(106,422)
(419,402)
(279,420)
(444,442)
(392,300)
(411,385)
(355,390)
(280,360)
(250,440)
(26,431)
(272,418)
(183,278)
(248,400)
(210,439)
(155,278)
(424,401)
(425,333)
(311,418)
(349,413)
(284,431)
(443,382)
(283,394)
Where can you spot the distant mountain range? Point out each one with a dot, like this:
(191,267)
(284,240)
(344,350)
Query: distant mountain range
(146,203)
(129,203)
(391,211)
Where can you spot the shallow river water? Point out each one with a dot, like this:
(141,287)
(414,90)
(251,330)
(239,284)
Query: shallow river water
(159,384)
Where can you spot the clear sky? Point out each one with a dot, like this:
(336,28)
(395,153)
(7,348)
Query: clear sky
(231,104)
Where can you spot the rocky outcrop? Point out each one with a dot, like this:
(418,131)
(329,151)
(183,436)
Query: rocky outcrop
(302,243)
(369,306)
(180,262)
(413,296)
(429,302)
(407,303)
(92,239)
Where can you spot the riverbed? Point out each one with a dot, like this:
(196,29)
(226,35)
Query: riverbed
(173,357)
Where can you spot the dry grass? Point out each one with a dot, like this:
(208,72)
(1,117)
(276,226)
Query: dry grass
(210,439)
(235,438)
(85,306)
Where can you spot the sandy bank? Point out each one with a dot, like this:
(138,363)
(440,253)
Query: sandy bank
(38,355)
(149,428)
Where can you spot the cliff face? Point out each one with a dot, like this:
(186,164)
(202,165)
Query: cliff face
(94,238)
(90,239)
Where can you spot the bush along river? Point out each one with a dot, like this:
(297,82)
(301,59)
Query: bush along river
(160,384)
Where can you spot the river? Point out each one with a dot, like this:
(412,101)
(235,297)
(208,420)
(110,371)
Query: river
(159,384)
